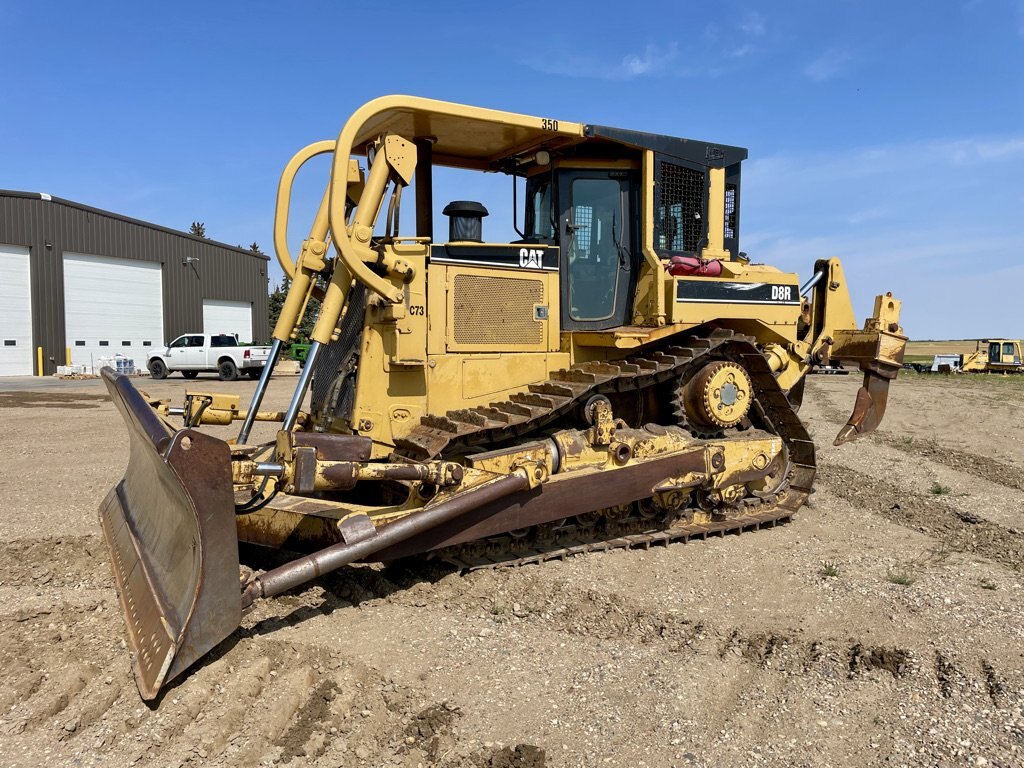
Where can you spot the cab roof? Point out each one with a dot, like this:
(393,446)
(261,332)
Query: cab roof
(477,138)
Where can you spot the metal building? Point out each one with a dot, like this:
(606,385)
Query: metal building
(78,280)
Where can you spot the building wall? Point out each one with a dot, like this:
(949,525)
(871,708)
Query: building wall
(51,227)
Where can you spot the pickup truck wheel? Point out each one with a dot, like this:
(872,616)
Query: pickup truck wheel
(190,374)
(157,369)
(227,370)
(253,373)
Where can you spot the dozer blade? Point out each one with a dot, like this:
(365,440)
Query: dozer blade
(868,408)
(170,528)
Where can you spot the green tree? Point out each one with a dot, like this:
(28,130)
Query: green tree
(276,304)
(198,229)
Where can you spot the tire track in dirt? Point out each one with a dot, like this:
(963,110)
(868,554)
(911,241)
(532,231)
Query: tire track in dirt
(591,614)
(927,515)
(258,700)
(984,467)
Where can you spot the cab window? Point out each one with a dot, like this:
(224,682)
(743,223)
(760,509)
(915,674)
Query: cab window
(594,247)
(539,224)
(195,341)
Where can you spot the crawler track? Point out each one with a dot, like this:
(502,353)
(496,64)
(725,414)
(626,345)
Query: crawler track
(507,551)
(528,413)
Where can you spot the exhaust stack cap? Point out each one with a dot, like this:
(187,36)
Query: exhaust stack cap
(465,221)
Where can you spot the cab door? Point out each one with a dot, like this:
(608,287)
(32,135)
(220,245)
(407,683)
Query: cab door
(1009,353)
(175,354)
(195,352)
(598,236)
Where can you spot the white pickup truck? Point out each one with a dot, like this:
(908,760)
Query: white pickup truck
(192,353)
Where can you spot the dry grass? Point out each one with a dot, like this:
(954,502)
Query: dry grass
(931,348)
(902,578)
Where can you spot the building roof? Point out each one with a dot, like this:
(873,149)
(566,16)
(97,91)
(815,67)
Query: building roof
(130,220)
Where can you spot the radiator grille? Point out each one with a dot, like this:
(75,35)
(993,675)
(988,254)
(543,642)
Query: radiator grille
(496,310)
(681,193)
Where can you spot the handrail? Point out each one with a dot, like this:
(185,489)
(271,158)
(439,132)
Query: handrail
(338,195)
(284,198)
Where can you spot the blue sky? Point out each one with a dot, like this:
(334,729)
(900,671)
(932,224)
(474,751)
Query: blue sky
(889,133)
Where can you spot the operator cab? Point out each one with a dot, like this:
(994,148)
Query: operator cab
(583,218)
(582,212)
(591,214)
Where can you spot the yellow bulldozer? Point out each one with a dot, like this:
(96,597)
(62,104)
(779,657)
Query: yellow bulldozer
(619,376)
(994,356)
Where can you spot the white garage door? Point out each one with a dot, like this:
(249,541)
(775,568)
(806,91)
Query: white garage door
(228,317)
(112,306)
(15,312)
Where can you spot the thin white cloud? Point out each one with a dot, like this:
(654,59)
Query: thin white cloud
(739,39)
(741,51)
(829,64)
(653,61)
(929,220)
(753,24)
(905,158)
(972,150)
(867,215)
(750,28)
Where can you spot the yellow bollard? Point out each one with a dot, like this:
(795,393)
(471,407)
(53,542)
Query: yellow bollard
(39,359)
(67,355)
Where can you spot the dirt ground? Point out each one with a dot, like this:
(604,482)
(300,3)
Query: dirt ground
(883,626)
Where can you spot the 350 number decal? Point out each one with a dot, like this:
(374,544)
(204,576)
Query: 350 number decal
(548,125)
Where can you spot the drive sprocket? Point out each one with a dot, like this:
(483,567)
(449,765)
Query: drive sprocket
(718,396)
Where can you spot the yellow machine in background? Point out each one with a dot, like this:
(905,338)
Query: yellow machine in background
(621,375)
(994,356)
